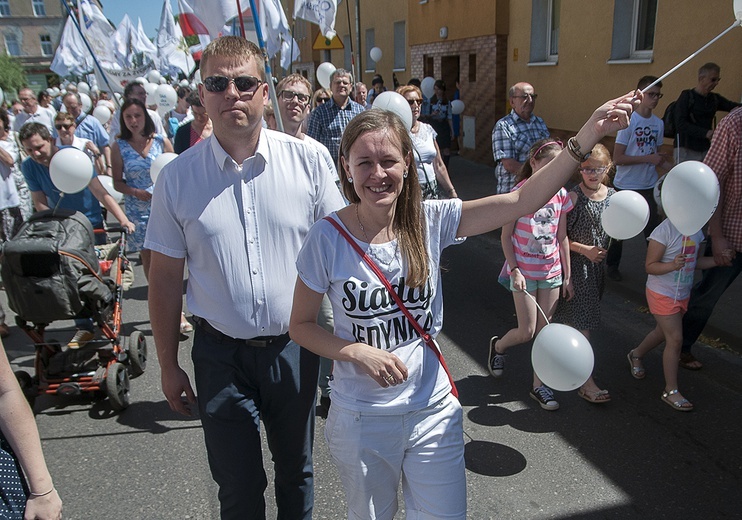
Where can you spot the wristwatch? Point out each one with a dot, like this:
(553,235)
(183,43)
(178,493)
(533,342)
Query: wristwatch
(573,147)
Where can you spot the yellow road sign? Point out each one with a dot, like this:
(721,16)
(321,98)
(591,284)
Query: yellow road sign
(321,43)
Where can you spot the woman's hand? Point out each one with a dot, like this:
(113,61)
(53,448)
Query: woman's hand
(142,195)
(595,254)
(518,280)
(47,507)
(614,114)
(384,367)
(568,290)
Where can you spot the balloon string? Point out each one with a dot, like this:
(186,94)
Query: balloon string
(61,196)
(686,60)
(680,273)
(537,306)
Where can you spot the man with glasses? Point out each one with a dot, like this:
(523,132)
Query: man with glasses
(32,112)
(328,121)
(88,127)
(237,207)
(639,163)
(695,111)
(514,134)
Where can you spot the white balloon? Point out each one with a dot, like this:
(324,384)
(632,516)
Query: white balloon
(375,54)
(394,102)
(154,76)
(159,163)
(141,80)
(167,98)
(86,102)
(324,71)
(562,357)
(151,89)
(183,83)
(426,85)
(457,106)
(83,88)
(119,98)
(163,81)
(56,91)
(197,77)
(102,114)
(690,194)
(2,95)
(626,215)
(738,9)
(657,192)
(70,170)
(107,183)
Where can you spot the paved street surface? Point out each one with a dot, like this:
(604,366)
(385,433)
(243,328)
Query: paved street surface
(631,458)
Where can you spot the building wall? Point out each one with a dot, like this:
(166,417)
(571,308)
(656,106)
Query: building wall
(582,79)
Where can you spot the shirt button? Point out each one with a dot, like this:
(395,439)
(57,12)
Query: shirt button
(254,271)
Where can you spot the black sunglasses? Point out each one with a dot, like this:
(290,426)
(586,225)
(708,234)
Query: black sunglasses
(66,126)
(220,83)
(322,99)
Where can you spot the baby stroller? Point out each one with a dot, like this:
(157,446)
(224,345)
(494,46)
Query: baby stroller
(51,272)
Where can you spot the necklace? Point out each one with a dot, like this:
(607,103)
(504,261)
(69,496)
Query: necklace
(363,230)
(380,252)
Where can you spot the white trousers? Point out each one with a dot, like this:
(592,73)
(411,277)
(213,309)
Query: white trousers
(424,448)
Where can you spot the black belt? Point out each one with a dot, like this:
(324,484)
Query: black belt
(260,341)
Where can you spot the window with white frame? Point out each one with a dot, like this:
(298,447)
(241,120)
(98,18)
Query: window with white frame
(39,9)
(633,30)
(545,22)
(46,45)
(4,7)
(12,47)
(400,45)
(370,44)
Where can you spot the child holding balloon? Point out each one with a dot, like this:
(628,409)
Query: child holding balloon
(588,245)
(537,261)
(670,264)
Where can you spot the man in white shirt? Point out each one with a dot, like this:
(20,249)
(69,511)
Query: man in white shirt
(237,206)
(32,112)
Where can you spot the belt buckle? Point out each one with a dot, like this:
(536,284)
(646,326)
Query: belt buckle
(258,343)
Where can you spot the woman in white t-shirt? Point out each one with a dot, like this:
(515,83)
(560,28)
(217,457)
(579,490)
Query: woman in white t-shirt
(431,171)
(671,261)
(393,414)
(66,126)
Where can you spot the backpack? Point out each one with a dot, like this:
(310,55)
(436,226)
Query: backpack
(50,268)
(668,118)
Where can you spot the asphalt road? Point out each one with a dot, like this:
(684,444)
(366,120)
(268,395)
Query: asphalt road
(631,458)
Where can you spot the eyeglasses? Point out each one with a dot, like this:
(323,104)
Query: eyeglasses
(66,126)
(594,171)
(221,83)
(321,100)
(417,102)
(526,96)
(654,95)
(289,95)
(715,80)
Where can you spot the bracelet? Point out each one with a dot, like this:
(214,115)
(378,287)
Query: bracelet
(42,494)
(109,167)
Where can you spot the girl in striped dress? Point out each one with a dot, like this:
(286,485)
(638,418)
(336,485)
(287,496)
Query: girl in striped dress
(537,260)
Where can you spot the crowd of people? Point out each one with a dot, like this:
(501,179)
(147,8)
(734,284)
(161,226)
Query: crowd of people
(350,299)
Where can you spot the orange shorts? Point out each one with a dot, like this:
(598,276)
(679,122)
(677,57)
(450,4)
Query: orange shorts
(664,305)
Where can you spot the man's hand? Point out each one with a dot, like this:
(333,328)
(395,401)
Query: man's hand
(178,391)
(723,252)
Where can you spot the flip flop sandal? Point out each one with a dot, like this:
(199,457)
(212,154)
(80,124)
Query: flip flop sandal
(636,372)
(689,362)
(595,397)
(677,405)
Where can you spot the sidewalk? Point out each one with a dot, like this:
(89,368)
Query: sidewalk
(473,180)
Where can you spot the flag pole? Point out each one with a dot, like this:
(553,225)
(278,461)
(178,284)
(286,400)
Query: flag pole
(268,74)
(90,50)
(352,56)
(242,20)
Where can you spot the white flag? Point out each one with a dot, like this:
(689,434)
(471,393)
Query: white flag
(97,30)
(320,12)
(72,57)
(289,53)
(274,24)
(212,14)
(172,50)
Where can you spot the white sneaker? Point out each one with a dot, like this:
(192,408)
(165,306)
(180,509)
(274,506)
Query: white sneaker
(81,338)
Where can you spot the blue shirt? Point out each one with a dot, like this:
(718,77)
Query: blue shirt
(89,127)
(38,179)
(328,121)
(512,138)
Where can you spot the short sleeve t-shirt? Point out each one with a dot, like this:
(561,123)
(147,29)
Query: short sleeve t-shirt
(643,136)
(675,284)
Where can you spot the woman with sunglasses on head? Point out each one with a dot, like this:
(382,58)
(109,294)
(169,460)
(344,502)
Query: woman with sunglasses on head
(588,245)
(394,415)
(65,125)
(320,96)
(536,261)
(431,170)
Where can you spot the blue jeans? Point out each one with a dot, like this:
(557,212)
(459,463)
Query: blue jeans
(704,296)
(238,386)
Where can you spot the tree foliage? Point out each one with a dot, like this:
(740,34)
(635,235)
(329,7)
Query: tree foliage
(12,75)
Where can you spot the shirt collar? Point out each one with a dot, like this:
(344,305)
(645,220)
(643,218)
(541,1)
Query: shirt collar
(225,161)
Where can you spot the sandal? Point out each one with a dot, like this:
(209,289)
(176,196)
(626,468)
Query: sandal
(681,405)
(596,397)
(636,371)
(689,362)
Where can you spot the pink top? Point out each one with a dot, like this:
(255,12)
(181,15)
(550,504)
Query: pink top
(535,241)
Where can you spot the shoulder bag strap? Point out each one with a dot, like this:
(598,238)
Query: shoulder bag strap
(418,328)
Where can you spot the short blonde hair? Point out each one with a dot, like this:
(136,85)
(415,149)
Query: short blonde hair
(233,47)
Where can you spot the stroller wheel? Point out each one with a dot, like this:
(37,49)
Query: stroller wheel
(25,381)
(137,347)
(117,386)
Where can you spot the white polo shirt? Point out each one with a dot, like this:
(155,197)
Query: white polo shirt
(240,227)
(42,115)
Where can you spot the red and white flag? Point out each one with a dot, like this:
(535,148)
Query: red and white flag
(205,16)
